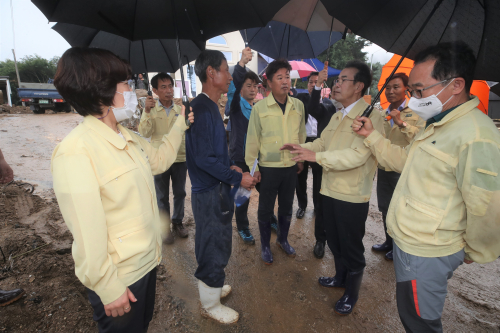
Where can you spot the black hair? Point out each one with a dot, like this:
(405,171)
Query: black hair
(364,75)
(275,66)
(454,59)
(312,74)
(252,76)
(161,76)
(402,76)
(87,77)
(207,58)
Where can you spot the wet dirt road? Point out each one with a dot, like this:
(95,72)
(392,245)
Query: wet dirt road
(284,296)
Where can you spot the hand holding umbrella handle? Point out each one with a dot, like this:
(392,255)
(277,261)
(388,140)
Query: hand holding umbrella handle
(185,102)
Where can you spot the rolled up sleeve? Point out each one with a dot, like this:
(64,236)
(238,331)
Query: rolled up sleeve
(78,194)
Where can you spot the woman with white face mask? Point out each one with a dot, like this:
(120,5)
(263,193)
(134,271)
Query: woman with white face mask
(103,181)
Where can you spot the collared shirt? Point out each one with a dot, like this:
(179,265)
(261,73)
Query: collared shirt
(269,129)
(447,197)
(166,108)
(156,124)
(346,110)
(312,123)
(348,166)
(388,111)
(439,116)
(105,189)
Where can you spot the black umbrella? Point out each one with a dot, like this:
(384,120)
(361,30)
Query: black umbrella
(407,27)
(281,40)
(150,55)
(162,19)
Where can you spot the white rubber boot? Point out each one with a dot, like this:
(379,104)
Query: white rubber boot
(211,307)
(226,290)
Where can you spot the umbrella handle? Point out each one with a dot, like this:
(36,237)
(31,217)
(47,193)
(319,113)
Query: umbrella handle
(369,109)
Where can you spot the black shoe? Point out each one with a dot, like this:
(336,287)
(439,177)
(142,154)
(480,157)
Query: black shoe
(384,247)
(300,213)
(388,256)
(319,249)
(10,296)
(345,304)
(338,281)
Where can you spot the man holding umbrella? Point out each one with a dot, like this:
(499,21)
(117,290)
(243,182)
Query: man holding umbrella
(445,208)
(211,179)
(157,120)
(348,170)
(318,116)
(400,130)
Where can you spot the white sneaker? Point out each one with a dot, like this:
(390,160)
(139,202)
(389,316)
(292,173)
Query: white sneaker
(211,307)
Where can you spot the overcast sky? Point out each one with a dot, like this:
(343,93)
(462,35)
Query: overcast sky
(34,34)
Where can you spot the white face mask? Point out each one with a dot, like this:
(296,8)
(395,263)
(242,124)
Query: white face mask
(428,107)
(128,110)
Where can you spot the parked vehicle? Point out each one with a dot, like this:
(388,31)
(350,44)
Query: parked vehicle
(41,97)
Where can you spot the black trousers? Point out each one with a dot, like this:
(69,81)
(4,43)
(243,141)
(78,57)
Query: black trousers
(345,229)
(241,212)
(141,313)
(386,184)
(301,188)
(177,172)
(213,212)
(276,182)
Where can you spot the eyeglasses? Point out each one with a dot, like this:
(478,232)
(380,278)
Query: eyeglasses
(417,93)
(340,81)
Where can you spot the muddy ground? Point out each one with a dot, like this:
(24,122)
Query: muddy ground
(283,297)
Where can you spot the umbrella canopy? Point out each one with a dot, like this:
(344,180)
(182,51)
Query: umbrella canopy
(309,15)
(150,55)
(392,24)
(299,69)
(479,88)
(280,40)
(318,66)
(162,19)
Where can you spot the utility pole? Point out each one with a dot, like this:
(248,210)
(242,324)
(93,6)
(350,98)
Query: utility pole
(17,70)
(14,42)
(17,73)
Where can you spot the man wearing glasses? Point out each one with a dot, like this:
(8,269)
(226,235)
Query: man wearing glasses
(348,170)
(445,208)
(400,129)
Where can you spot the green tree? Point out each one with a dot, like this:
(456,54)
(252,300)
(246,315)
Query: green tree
(33,69)
(377,71)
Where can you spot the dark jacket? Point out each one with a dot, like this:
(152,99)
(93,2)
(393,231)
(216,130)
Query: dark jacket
(321,112)
(239,124)
(206,148)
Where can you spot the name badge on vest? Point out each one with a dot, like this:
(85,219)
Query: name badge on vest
(408,115)
(177,115)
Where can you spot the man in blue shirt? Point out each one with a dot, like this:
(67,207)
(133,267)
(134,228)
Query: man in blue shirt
(211,177)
